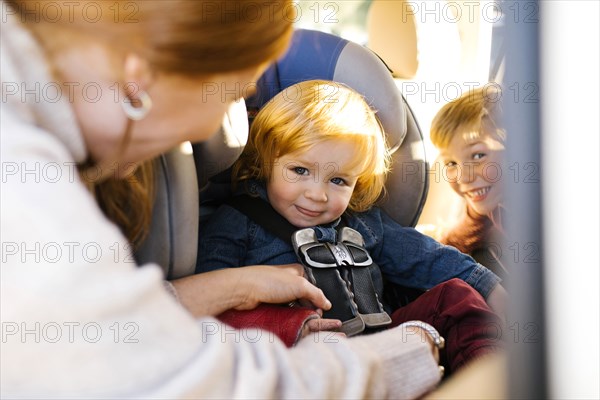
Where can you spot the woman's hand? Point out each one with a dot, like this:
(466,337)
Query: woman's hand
(425,338)
(278,284)
(244,288)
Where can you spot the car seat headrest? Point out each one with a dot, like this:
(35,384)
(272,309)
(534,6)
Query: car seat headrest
(220,151)
(318,55)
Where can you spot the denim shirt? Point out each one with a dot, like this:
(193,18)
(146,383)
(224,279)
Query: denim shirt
(405,256)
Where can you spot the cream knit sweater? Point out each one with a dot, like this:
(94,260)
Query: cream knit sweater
(80,320)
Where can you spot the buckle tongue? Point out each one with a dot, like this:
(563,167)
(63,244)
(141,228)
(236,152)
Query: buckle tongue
(343,271)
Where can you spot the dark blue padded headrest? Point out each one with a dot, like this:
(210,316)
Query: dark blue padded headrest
(312,55)
(318,55)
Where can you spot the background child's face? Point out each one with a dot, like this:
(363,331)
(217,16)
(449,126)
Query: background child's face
(474,169)
(314,187)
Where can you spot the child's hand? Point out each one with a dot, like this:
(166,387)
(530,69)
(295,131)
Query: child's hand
(321,324)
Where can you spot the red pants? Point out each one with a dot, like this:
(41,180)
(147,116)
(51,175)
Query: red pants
(459,313)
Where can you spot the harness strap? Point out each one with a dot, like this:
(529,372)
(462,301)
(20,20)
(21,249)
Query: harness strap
(342,270)
(264,214)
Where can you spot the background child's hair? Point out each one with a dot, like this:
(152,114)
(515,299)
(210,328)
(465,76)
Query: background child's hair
(475,112)
(311,112)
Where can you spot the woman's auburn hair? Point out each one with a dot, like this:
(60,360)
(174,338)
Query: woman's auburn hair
(185,37)
(474,113)
(192,39)
(313,112)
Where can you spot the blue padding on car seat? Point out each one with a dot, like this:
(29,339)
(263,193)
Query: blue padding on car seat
(312,55)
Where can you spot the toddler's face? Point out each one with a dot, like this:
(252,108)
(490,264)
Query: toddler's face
(474,169)
(314,187)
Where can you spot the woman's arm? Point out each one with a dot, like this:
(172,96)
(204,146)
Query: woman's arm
(244,288)
(121,335)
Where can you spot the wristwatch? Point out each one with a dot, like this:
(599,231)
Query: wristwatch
(436,338)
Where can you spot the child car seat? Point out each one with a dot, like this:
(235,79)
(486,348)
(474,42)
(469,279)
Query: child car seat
(318,55)
(312,55)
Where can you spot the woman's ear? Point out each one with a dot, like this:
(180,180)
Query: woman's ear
(137,74)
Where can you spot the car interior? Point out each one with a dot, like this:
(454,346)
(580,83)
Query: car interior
(192,180)
(407,58)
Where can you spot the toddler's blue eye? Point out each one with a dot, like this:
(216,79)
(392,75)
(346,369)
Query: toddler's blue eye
(300,170)
(450,164)
(478,156)
(338,181)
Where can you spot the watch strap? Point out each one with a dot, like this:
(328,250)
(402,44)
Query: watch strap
(435,336)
